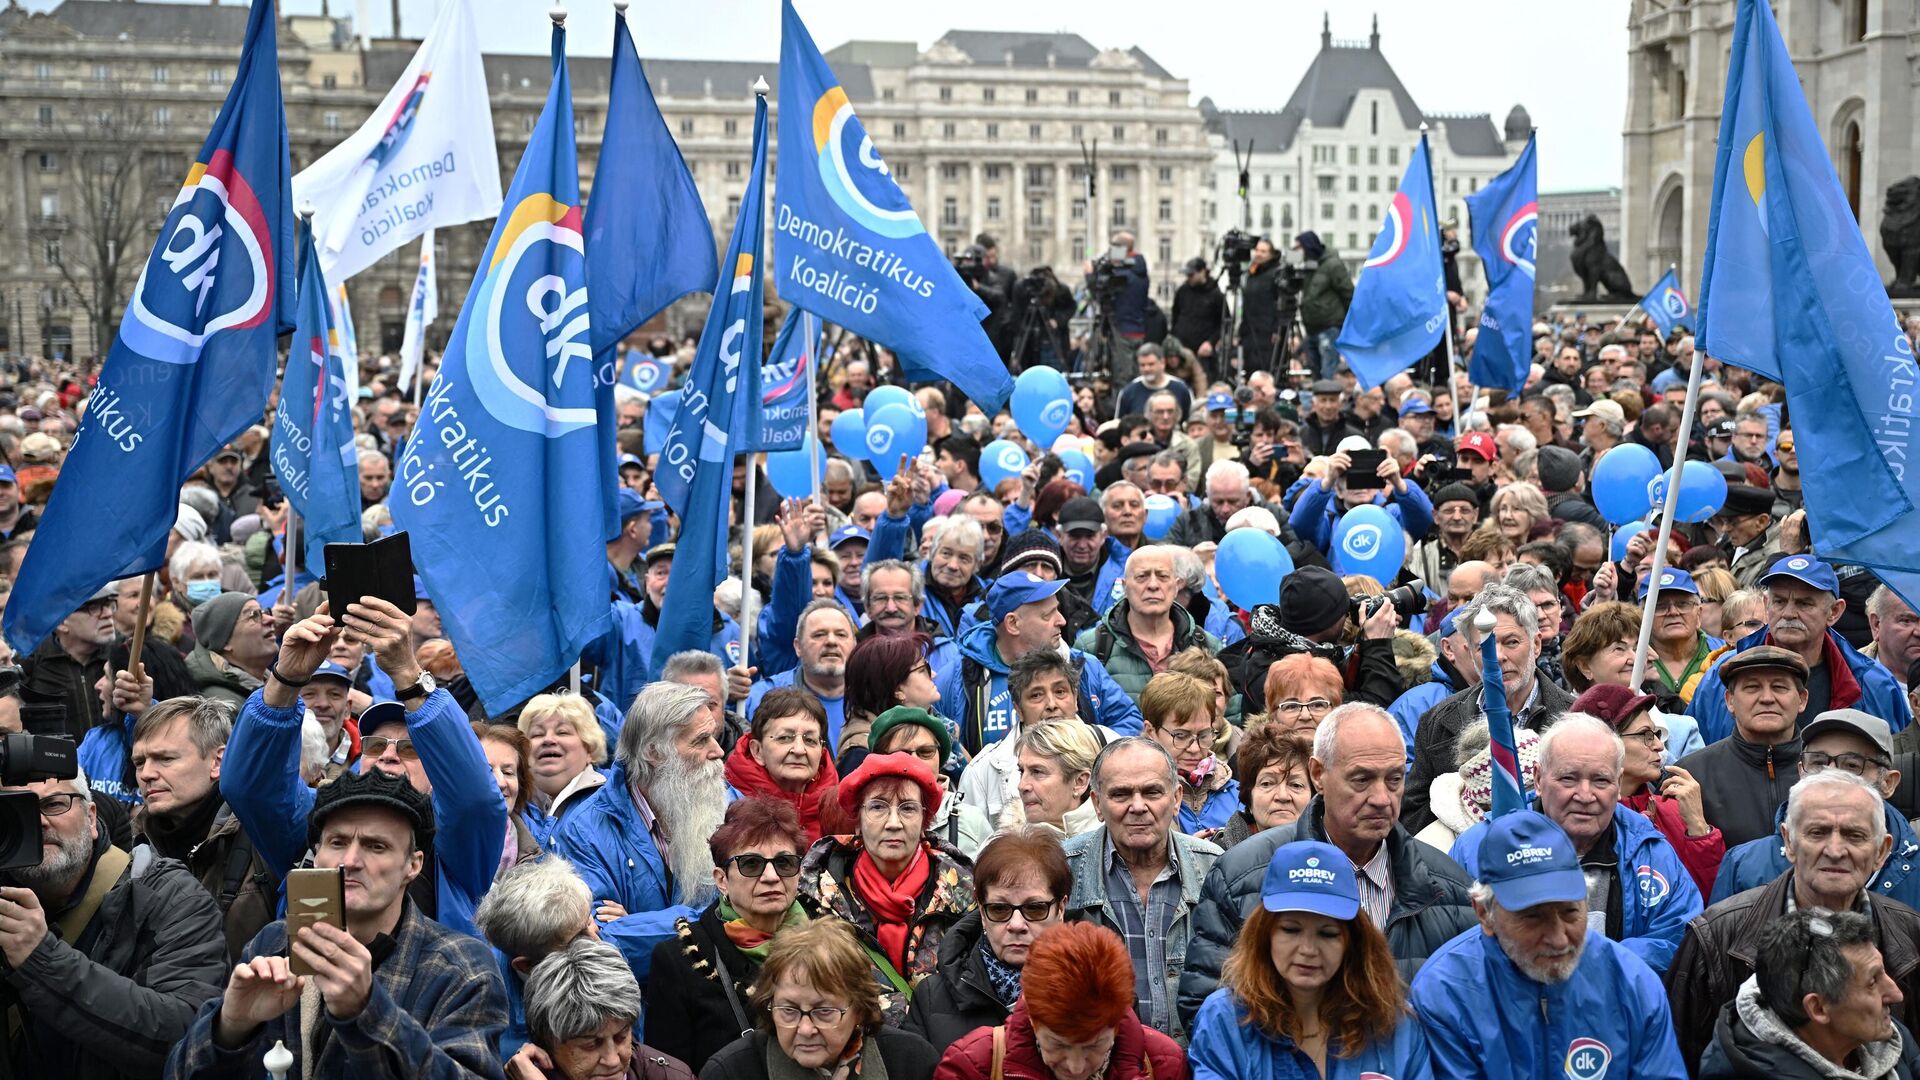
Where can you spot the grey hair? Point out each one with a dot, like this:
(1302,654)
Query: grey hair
(962,532)
(85,792)
(1804,952)
(1227,470)
(1169,457)
(1518,438)
(825,603)
(918,586)
(1401,440)
(1529,578)
(209,722)
(689,663)
(660,712)
(1528,498)
(1118,484)
(1741,598)
(1882,601)
(1577,723)
(534,907)
(188,555)
(1071,742)
(1482,893)
(314,751)
(579,990)
(1187,567)
(1501,599)
(1473,739)
(839,465)
(1134,742)
(1327,735)
(1830,777)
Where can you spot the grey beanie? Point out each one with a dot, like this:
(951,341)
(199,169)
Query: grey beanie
(214,620)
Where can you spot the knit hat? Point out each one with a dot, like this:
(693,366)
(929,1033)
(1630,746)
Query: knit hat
(1312,599)
(372,787)
(1559,469)
(1032,548)
(1454,492)
(884,766)
(906,714)
(1476,776)
(213,621)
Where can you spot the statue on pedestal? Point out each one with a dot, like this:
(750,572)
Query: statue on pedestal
(1597,267)
(1900,235)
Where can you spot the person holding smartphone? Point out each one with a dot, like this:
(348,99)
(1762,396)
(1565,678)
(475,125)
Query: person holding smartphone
(1340,488)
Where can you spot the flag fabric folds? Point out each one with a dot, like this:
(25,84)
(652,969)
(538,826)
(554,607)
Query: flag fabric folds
(1789,290)
(718,399)
(785,411)
(422,309)
(504,459)
(1509,788)
(1505,216)
(1667,305)
(1399,306)
(424,158)
(312,449)
(848,247)
(193,363)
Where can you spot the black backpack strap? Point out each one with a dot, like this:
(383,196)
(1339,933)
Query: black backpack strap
(1102,643)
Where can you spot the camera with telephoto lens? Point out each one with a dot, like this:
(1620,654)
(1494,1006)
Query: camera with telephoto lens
(971,264)
(1236,248)
(1243,414)
(1290,279)
(23,760)
(1408,600)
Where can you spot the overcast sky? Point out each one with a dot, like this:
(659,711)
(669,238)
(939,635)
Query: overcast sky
(1565,61)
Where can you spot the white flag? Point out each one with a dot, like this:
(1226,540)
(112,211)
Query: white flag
(421,311)
(346,343)
(425,157)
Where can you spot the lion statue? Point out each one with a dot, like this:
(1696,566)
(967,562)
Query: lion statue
(1900,235)
(1598,269)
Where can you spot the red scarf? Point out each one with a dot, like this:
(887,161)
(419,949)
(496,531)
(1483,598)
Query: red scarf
(891,902)
(751,778)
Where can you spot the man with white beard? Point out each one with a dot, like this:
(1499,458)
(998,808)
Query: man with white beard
(1533,991)
(640,841)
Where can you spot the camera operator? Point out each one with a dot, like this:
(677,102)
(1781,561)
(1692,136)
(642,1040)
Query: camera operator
(1260,309)
(1037,321)
(1324,300)
(1129,303)
(980,266)
(1198,309)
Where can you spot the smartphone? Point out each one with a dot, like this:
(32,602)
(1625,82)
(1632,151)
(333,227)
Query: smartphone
(313,896)
(383,568)
(1366,464)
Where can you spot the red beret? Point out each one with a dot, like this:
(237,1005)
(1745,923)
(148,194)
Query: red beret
(887,766)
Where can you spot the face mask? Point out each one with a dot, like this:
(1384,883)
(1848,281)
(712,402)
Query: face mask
(202,591)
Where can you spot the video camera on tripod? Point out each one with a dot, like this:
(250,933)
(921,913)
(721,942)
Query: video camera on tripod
(23,760)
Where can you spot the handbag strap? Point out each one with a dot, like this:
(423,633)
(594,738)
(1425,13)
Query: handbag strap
(721,973)
(1000,1052)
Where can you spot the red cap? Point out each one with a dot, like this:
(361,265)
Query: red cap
(1480,443)
(884,766)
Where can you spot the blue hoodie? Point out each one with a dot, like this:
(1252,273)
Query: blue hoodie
(1879,693)
(1757,862)
(615,854)
(1224,1045)
(1413,703)
(623,655)
(1315,515)
(1112,708)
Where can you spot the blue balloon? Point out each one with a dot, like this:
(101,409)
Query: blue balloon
(1000,460)
(1078,468)
(791,471)
(849,434)
(888,395)
(893,430)
(1042,403)
(1251,565)
(1620,482)
(1623,534)
(1703,491)
(1162,512)
(1369,541)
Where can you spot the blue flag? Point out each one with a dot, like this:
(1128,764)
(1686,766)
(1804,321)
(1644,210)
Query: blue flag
(1790,291)
(659,420)
(645,372)
(1399,306)
(193,363)
(648,240)
(695,476)
(785,409)
(1506,217)
(1667,306)
(505,457)
(313,452)
(848,247)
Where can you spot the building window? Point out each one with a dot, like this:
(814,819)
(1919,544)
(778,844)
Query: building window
(732,127)
(1266,181)
(1286,182)
(993,132)
(330,121)
(1036,176)
(993,172)
(1166,250)
(1393,183)
(733,207)
(1353,155)
(1166,174)
(1353,183)
(946,93)
(947,130)
(1079,132)
(1453,185)
(1326,211)
(329,82)
(1079,248)
(686,127)
(1160,136)
(949,172)
(1353,241)
(887,94)
(1073,97)
(1373,211)
(993,208)
(1473,184)
(950,211)
(102,73)
(1373,183)
(1113,97)
(50,251)
(899,171)
(1033,96)
(1373,120)
(49,205)
(1393,155)
(1266,215)
(1119,212)
(44,116)
(733,170)
(986,94)
(1036,250)
(1166,212)
(49,163)
(1119,133)
(1353,211)
(899,130)
(43,72)
(1328,183)
(1033,132)
(1121,174)
(1286,217)
(1079,211)
(162,116)
(1036,212)
(160,73)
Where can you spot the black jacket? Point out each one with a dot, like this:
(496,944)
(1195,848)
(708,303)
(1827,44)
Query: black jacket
(957,998)
(1260,316)
(906,1056)
(48,676)
(1370,674)
(1197,311)
(1319,440)
(1434,741)
(225,863)
(688,1015)
(1568,506)
(1738,1054)
(1742,784)
(1430,903)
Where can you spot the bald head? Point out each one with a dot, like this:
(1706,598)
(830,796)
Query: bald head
(1468,579)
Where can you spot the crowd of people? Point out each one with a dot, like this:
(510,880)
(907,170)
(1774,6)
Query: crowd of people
(989,781)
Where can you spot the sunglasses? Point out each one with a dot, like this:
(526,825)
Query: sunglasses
(786,864)
(375,745)
(1033,910)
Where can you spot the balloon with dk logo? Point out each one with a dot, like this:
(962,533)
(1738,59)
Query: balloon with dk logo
(1620,482)
(1369,541)
(1042,404)
(1000,460)
(1250,565)
(1703,491)
(849,434)
(791,471)
(1078,468)
(1162,512)
(893,430)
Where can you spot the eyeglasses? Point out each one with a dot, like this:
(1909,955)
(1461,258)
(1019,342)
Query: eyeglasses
(788,738)
(881,811)
(1750,625)
(786,864)
(97,607)
(1033,910)
(890,600)
(992,528)
(1853,763)
(1183,738)
(1681,602)
(1318,706)
(374,746)
(1649,738)
(823,1016)
(57,805)
(253,615)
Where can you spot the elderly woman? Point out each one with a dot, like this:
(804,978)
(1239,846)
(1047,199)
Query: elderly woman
(1462,799)
(1020,880)
(508,753)
(1056,777)
(1715,585)
(819,1016)
(883,671)
(1668,795)
(784,755)
(1743,613)
(922,735)
(567,743)
(899,891)
(1271,769)
(1489,545)
(1599,652)
(1182,715)
(1206,667)
(1310,988)
(1301,689)
(1074,1020)
(1515,510)
(701,976)
(581,1005)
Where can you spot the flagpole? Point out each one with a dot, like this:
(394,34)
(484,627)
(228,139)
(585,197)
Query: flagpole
(750,497)
(1666,522)
(291,563)
(140,625)
(812,432)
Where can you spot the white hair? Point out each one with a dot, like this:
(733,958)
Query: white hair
(1326,736)
(1399,441)
(1574,724)
(962,532)
(1116,486)
(1227,470)
(189,554)
(1518,438)
(1831,777)
(314,751)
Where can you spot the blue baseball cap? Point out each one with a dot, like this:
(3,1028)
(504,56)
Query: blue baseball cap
(6,475)
(1805,569)
(631,459)
(1671,580)
(1219,402)
(1017,588)
(1308,875)
(331,670)
(1449,623)
(631,504)
(420,590)
(1528,860)
(382,714)
(849,532)
(1416,407)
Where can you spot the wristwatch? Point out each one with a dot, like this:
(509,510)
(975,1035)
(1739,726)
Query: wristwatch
(420,689)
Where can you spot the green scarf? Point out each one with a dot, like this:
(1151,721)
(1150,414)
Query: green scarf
(753,942)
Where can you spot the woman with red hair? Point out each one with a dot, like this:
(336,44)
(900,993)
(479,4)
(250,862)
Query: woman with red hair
(784,755)
(1074,1019)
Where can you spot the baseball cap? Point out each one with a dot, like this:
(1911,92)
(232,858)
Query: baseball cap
(1672,579)
(420,589)
(1720,429)
(1194,266)
(1219,402)
(1415,407)
(1016,589)
(1605,409)
(1311,876)
(1353,442)
(849,532)
(1480,443)
(382,714)
(1327,386)
(1866,725)
(1081,512)
(1805,569)
(1528,860)
(6,475)
(631,459)
(631,505)
(1763,658)
(229,451)
(331,670)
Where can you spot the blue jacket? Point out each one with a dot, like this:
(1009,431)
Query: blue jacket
(1757,862)
(611,848)
(624,654)
(1879,693)
(984,710)
(1224,1046)
(836,707)
(1658,904)
(1222,803)
(891,537)
(1412,704)
(936,612)
(1113,566)
(106,755)
(1485,1019)
(260,779)
(1315,514)
(773,650)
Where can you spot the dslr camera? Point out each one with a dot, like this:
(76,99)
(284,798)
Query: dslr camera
(23,760)
(1408,600)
